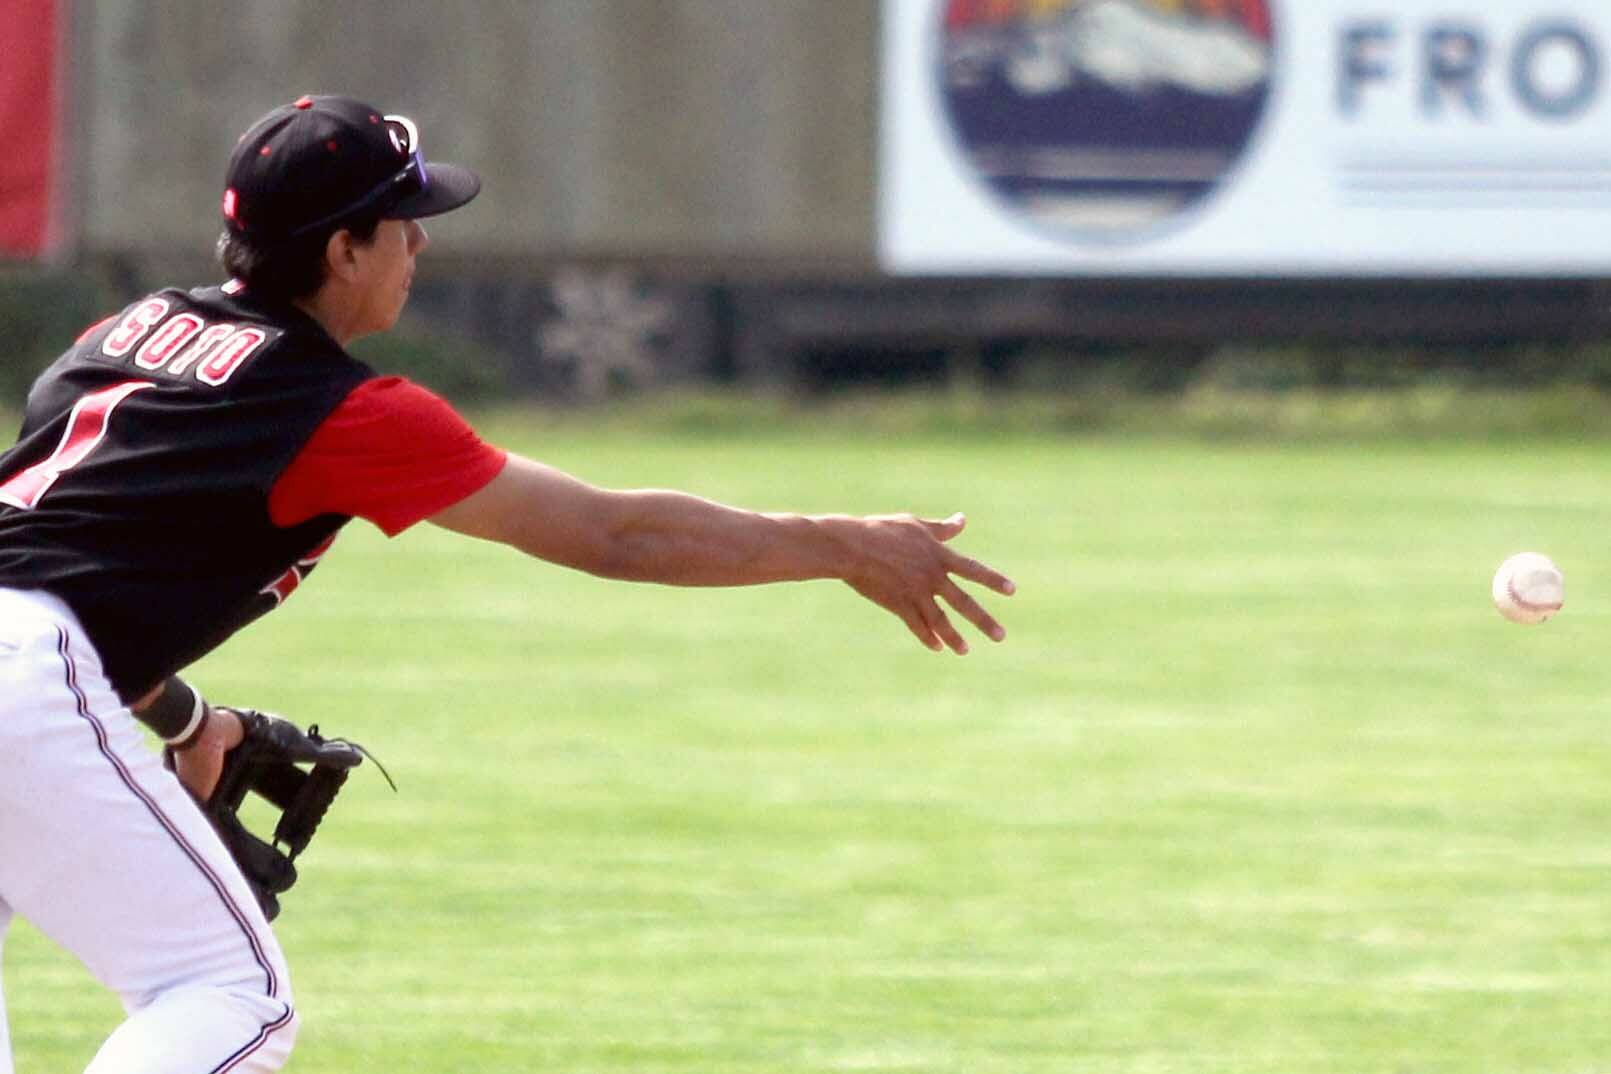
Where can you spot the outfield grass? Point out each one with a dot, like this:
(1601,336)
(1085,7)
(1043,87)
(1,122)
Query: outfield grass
(1259,782)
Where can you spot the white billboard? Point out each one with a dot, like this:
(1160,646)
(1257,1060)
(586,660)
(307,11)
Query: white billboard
(1246,137)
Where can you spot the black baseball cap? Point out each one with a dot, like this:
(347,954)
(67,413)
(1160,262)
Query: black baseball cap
(322,160)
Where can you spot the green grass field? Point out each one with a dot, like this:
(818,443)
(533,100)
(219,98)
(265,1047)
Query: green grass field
(1258,784)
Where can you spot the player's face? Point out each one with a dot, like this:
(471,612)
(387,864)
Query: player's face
(386,271)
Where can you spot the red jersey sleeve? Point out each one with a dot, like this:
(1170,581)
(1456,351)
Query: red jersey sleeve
(391,452)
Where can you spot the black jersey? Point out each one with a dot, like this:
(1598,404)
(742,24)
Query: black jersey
(138,489)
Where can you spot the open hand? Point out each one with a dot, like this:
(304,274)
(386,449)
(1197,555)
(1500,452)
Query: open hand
(903,564)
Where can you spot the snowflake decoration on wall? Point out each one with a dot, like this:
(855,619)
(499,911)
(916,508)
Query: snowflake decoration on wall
(607,327)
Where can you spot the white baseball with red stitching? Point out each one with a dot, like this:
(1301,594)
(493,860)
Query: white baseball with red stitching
(1528,588)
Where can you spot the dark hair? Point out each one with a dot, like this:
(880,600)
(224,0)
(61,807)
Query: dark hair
(289,269)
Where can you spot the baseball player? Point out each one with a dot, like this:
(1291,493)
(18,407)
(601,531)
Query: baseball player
(182,468)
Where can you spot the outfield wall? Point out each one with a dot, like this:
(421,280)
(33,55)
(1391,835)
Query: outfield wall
(675,186)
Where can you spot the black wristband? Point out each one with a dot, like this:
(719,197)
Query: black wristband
(175,714)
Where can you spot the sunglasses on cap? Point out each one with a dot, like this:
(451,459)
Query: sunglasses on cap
(409,181)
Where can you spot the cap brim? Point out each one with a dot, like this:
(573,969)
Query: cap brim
(450,187)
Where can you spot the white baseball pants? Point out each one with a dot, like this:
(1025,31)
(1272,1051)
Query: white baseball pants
(103,851)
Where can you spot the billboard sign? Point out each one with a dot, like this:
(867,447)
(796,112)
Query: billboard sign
(1246,137)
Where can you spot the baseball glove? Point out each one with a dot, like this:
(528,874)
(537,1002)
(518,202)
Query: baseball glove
(300,773)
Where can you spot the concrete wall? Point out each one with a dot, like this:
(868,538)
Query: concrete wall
(729,129)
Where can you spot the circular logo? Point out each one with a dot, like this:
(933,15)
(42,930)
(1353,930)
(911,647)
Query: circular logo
(1102,119)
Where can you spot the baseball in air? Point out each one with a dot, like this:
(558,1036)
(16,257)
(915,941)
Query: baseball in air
(1528,588)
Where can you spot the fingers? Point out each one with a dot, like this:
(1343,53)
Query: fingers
(930,626)
(918,625)
(971,569)
(937,631)
(972,611)
(974,571)
(944,529)
(941,629)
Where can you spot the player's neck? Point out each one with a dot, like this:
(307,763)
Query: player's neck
(332,312)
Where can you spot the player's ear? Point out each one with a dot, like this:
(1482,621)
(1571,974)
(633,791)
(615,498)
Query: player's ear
(340,255)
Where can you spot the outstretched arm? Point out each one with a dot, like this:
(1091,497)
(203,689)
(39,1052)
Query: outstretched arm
(898,562)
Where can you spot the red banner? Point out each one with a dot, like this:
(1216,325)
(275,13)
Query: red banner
(29,129)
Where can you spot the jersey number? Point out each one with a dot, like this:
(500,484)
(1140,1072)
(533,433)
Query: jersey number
(86,427)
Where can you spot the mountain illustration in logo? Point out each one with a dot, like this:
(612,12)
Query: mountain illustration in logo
(1103,118)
